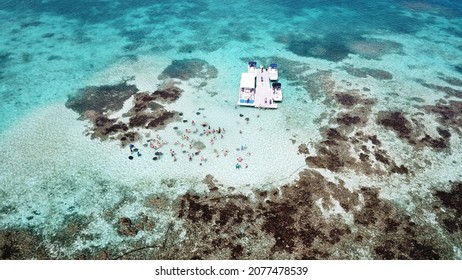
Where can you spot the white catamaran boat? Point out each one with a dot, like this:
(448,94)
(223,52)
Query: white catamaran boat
(247,90)
(256,89)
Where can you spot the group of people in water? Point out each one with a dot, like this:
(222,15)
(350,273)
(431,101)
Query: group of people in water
(189,146)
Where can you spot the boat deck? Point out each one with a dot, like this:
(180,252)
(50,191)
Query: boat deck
(263,91)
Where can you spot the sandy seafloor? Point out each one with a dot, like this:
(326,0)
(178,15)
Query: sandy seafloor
(361,160)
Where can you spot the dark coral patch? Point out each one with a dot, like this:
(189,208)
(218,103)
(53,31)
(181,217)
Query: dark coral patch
(5,57)
(348,120)
(458,68)
(22,244)
(396,122)
(280,223)
(365,72)
(374,48)
(237,252)
(452,81)
(54,57)
(329,47)
(347,99)
(331,152)
(48,35)
(157,116)
(439,143)
(453,198)
(101,99)
(337,46)
(160,119)
(449,114)
(170,94)
(31,24)
(368,214)
(406,249)
(443,132)
(210,182)
(448,90)
(186,69)
(126,227)
(96,103)
(400,238)
(104,126)
(351,99)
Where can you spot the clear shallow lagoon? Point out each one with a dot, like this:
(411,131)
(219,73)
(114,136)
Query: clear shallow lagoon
(360,160)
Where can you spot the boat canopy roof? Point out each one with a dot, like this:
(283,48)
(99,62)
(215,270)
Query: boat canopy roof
(252,64)
(276,85)
(248,80)
(273,65)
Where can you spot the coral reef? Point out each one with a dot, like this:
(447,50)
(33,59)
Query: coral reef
(302,221)
(449,114)
(97,103)
(186,69)
(365,72)
(101,99)
(337,46)
(20,244)
(397,122)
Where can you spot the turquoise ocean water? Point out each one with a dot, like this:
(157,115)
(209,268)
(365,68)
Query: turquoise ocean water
(371,90)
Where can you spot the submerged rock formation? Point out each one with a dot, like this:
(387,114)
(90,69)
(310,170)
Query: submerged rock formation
(98,103)
(186,69)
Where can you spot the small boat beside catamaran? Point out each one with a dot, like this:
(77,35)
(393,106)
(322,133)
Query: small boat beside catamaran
(256,89)
(273,72)
(277,92)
